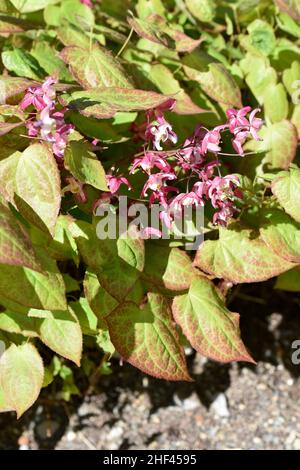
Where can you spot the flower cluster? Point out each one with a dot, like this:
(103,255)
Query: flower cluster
(195,162)
(46,122)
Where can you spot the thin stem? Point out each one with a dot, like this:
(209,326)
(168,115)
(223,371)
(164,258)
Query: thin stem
(125,43)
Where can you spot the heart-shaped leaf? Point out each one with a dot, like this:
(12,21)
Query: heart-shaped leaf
(21,376)
(209,326)
(286,188)
(37,185)
(15,246)
(95,67)
(239,256)
(146,337)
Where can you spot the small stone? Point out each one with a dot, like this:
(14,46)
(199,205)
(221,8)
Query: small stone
(296,444)
(220,407)
(24,447)
(71,436)
(190,403)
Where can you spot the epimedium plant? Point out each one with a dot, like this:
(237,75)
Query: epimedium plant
(178,103)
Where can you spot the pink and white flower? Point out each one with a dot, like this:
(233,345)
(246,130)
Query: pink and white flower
(160,131)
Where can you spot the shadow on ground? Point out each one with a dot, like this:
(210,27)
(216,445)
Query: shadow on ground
(269,325)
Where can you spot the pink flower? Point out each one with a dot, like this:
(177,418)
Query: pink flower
(221,192)
(34,97)
(47,123)
(87,3)
(185,200)
(160,131)
(114,183)
(211,141)
(157,183)
(242,128)
(255,124)
(149,232)
(239,140)
(149,161)
(237,118)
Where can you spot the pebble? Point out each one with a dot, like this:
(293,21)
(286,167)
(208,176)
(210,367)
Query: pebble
(189,404)
(220,407)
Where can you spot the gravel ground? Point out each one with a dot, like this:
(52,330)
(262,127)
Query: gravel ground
(236,406)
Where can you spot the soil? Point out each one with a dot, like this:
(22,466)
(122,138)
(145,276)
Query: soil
(228,406)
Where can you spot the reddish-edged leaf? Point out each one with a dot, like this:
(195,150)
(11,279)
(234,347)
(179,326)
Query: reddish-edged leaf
(95,67)
(279,141)
(15,246)
(84,165)
(104,103)
(168,268)
(21,376)
(217,82)
(286,188)
(155,29)
(37,186)
(146,337)
(61,332)
(6,127)
(209,326)
(282,234)
(13,86)
(39,290)
(240,256)
(291,7)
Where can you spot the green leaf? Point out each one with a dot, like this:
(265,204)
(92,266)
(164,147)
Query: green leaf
(38,186)
(28,6)
(217,83)
(209,326)
(62,333)
(262,37)
(290,77)
(291,7)
(282,234)
(146,337)
(286,188)
(286,23)
(33,289)
(73,11)
(165,81)
(259,75)
(22,64)
(289,281)
(168,268)
(19,323)
(84,165)
(21,376)
(104,103)
(279,141)
(50,61)
(15,246)
(276,93)
(296,119)
(155,29)
(100,301)
(239,256)
(203,10)
(117,268)
(95,67)
(87,319)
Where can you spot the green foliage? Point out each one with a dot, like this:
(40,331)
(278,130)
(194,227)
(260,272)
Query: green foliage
(69,299)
